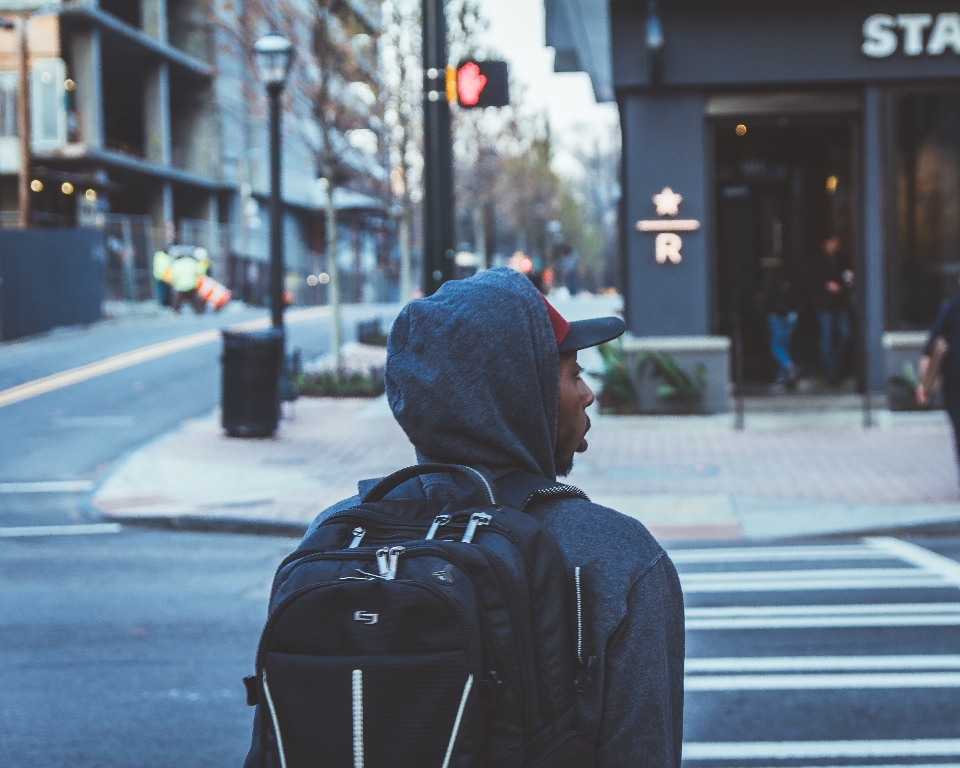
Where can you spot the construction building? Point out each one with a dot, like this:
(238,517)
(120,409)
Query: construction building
(149,121)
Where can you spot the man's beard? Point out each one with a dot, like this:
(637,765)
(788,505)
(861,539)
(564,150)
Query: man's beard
(564,464)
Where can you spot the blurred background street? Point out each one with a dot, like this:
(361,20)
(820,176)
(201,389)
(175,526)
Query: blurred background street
(211,213)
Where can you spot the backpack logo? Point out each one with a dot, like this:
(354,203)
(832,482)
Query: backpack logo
(445,575)
(366,618)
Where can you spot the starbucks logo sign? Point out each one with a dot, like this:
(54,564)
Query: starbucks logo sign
(919,33)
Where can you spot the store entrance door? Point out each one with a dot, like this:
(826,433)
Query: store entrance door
(783,187)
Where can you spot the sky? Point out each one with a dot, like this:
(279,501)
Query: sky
(517,32)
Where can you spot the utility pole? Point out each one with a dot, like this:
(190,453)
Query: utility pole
(23,122)
(276,210)
(438,220)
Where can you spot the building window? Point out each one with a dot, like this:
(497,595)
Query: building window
(8,104)
(927,205)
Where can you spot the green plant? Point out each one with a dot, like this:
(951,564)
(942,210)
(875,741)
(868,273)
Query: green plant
(617,391)
(903,390)
(344,384)
(678,386)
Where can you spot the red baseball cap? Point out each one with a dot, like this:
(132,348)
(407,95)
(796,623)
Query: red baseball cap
(581,334)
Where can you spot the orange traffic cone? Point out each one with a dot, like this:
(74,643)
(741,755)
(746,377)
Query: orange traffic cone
(213,293)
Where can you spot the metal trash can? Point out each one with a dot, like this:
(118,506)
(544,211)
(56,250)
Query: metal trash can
(251,365)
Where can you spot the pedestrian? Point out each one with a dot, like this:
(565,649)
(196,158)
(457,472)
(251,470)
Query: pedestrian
(185,272)
(833,285)
(946,326)
(161,263)
(780,302)
(484,373)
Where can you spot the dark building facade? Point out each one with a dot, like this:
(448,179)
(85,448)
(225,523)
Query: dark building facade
(779,125)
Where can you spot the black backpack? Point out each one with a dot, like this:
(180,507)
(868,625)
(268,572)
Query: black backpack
(418,633)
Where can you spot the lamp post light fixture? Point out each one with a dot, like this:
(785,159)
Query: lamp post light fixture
(274,54)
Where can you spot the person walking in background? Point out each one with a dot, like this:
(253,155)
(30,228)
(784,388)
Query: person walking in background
(185,272)
(833,284)
(161,263)
(947,327)
(780,302)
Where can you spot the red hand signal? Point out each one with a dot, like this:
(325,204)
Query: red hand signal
(470,83)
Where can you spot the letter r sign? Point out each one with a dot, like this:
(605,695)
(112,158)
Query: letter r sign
(668,248)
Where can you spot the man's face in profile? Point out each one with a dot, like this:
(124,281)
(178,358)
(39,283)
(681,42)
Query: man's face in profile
(572,420)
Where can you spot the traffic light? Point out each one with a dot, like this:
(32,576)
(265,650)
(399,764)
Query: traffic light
(478,84)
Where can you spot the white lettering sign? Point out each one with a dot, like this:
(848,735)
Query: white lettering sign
(881,38)
(667,248)
(668,243)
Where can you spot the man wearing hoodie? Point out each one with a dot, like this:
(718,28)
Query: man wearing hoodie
(484,373)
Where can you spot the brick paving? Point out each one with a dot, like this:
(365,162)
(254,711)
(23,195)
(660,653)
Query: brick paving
(685,477)
(909,459)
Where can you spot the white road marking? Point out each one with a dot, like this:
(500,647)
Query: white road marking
(58,530)
(779,554)
(807,616)
(787,750)
(134,357)
(931,562)
(814,579)
(880,765)
(98,422)
(810,681)
(822,663)
(48,486)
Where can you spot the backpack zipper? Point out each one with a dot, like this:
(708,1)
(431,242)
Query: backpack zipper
(507,533)
(576,579)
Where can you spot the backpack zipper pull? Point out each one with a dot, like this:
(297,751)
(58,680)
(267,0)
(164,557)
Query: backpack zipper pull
(394,555)
(358,534)
(382,564)
(477,518)
(435,525)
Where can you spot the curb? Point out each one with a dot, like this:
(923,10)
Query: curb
(290,529)
(201,524)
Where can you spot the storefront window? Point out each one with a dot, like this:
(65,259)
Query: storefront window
(928,205)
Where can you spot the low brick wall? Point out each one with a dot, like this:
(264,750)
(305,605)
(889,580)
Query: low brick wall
(688,352)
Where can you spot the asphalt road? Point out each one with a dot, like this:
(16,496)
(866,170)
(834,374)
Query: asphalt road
(849,649)
(127,650)
(77,433)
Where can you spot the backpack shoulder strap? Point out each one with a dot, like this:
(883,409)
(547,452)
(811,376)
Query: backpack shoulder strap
(518,489)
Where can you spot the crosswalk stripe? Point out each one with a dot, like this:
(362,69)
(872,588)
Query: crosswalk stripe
(820,663)
(946,620)
(814,681)
(822,610)
(878,765)
(931,562)
(806,616)
(805,580)
(786,750)
(58,530)
(778,554)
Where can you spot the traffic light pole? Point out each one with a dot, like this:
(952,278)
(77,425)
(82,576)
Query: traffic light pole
(438,218)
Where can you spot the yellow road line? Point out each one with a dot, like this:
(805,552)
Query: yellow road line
(127,359)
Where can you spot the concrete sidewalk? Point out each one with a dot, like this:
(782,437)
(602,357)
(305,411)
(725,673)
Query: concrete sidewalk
(686,478)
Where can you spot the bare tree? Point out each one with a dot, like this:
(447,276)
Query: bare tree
(343,97)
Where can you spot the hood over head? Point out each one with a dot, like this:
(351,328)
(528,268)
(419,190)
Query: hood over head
(472,374)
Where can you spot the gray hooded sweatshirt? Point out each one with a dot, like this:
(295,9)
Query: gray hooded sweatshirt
(472,378)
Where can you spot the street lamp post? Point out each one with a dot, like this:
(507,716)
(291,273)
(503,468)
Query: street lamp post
(274,55)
